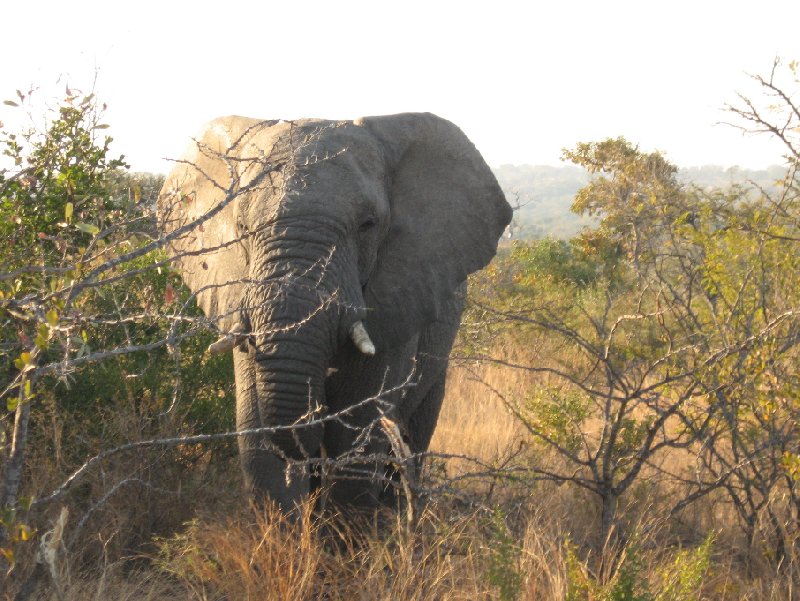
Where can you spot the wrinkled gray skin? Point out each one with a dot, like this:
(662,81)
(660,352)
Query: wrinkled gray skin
(314,226)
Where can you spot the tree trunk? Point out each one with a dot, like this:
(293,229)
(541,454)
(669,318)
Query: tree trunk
(16,459)
(608,519)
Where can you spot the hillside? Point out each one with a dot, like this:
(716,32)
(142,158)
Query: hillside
(544,193)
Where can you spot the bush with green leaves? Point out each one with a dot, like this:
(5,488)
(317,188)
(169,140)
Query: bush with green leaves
(678,577)
(673,326)
(100,345)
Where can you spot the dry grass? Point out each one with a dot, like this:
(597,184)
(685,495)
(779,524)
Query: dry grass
(538,546)
(117,583)
(241,558)
(251,555)
(473,421)
(259,555)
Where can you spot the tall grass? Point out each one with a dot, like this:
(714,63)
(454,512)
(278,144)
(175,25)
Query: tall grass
(257,554)
(473,421)
(521,539)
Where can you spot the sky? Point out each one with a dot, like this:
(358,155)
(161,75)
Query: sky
(523,79)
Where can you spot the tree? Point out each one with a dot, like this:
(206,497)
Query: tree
(671,326)
(91,320)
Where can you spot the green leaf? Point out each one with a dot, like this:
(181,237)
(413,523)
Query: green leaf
(52,317)
(87,228)
(68,211)
(10,103)
(42,336)
(12,403)
(28,393)
(23,360)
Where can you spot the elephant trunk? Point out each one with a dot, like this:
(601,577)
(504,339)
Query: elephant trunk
(301,309)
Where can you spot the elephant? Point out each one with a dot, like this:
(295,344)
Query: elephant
(332,256)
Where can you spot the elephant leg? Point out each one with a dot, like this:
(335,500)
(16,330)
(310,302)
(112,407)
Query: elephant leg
(422,422)
(377,482)
(356,482)
(420,411)
(358,433)
(417,432)
(265,472)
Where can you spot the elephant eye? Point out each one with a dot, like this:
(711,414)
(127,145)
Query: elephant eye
(367,224)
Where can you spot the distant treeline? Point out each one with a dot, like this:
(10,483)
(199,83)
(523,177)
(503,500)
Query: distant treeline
(545,193)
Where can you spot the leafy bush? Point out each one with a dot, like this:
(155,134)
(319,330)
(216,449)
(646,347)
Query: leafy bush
(101,344)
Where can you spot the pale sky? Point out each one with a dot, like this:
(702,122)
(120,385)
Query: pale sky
(522,79)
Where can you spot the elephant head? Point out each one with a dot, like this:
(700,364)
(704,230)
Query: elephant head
(310,240)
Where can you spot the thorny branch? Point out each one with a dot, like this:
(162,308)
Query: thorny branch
(311,419)
(782,117)
(54,295)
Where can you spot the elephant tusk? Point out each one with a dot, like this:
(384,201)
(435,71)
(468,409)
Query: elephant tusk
(226,343)
(358,333)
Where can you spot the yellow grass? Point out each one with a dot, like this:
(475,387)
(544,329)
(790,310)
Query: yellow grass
(232,552)
(473,420)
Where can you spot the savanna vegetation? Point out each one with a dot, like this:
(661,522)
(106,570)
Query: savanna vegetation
(542,194)
(620,425)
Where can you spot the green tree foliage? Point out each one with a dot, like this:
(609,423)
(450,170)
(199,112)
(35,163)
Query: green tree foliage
(632,189)
(671,325)
(543,194)
(58,190)
(719,273)
(100,344)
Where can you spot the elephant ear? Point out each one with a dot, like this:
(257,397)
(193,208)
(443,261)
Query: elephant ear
(447,214)
(202,199)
